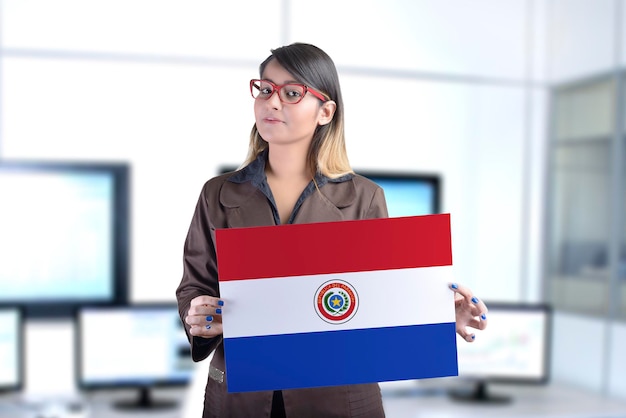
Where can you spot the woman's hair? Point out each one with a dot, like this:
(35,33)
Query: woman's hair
(313,67)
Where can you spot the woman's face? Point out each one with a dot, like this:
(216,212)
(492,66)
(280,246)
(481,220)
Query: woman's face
(284,123)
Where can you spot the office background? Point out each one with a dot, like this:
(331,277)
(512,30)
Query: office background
(462,89)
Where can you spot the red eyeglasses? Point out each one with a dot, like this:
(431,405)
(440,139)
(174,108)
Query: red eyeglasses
(291,93)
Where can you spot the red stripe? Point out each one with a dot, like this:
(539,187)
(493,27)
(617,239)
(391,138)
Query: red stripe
(334,247)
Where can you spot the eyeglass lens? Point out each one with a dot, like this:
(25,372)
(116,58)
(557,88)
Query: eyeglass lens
(288,93)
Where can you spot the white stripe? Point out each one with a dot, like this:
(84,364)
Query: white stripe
(387,298)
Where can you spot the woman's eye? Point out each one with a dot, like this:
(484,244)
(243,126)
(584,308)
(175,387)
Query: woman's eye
(294,93)
(265,90)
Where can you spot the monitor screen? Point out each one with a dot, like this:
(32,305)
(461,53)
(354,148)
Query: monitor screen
(63,235)
(408,194)
(514,348)
(136,346)
(11,349)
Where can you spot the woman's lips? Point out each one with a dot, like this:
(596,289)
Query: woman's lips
(272,120)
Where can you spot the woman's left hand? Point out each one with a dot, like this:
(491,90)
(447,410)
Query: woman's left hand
(470,312)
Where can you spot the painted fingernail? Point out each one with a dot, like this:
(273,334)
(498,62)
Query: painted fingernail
(209,318)
(220,302)
(218,310)
(483,316)
(473,337)
(474,299)
(454,286)
(208,327)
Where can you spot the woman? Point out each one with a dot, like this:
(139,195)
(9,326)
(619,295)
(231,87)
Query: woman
(297,171)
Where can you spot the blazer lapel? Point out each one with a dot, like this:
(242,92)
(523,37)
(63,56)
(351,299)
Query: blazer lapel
(324,205)
(245,206)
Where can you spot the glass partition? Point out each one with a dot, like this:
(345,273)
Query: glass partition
(579,219)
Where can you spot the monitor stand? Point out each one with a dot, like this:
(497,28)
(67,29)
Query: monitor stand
(145,401)
(479,393)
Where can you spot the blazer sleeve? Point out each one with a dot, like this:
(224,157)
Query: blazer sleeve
(199,272)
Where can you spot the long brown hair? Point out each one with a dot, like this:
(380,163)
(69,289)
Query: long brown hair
(311,66)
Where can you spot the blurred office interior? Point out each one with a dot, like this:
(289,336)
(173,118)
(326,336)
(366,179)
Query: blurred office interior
(518,106)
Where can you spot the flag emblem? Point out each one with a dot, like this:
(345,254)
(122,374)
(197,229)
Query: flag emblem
(336,301)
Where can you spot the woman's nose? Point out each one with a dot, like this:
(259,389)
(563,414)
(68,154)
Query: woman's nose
(274,100)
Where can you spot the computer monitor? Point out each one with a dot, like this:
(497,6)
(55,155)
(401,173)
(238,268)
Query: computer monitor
(514,348)
(64,235)
(11,349)
(140,346)
(406,193)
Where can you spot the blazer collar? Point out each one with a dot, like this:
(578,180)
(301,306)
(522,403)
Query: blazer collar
(245,192)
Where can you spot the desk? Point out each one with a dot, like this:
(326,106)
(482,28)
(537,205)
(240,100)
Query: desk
(548,401)
(556,401)
(99,404)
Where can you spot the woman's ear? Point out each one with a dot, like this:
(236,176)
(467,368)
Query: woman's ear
(326,112)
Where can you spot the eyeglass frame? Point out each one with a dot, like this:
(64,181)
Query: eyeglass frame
(276,89)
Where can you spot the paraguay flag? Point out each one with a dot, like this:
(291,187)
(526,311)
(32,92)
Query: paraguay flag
(337,303)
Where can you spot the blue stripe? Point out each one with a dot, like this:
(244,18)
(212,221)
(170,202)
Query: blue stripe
(291,361)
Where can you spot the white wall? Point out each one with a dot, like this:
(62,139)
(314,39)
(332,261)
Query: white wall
(581,38)
(175,104)
(163,85)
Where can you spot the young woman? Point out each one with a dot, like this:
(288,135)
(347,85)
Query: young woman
(297,171)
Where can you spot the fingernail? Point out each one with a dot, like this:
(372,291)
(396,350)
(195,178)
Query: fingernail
(209,318)
(454,286)
(208,327)
(473,337)
(220,302)
(218,310)
(483,316)
(475,299)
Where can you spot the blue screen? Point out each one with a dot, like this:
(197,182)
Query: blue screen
(55,236)
(64,235)
(408,194)
(150,346)
(509,353)
(408,197)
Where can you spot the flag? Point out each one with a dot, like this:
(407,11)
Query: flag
(337,303)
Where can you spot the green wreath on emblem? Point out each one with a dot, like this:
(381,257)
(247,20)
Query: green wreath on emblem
(346,301)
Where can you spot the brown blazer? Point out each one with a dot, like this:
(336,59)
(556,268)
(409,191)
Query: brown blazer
(225,204)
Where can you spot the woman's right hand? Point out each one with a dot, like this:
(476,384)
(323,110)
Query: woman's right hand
(205,316)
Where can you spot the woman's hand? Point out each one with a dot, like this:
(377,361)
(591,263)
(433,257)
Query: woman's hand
(470,312)
(205,317)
